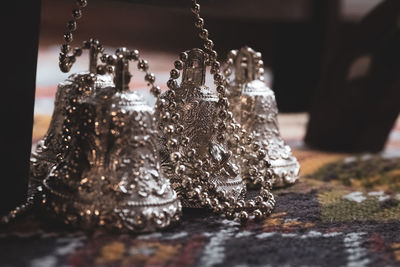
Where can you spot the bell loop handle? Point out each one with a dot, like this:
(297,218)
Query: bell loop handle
(194,69)
(244,65)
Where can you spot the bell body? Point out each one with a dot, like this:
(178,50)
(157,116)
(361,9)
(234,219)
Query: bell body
(77,86)
(198,111)
(111,177)
(254,107)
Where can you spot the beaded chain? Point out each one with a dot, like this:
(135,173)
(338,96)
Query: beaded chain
(199,186)
(84,86)
(67,60)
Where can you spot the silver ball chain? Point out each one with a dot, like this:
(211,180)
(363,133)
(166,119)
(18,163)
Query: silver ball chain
(199,186)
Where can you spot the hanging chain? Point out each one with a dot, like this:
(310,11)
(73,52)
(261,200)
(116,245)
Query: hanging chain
(199,186)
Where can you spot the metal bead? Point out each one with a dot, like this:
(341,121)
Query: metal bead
(172,84)
(253,171)
(250,204)
(175,117)
(265,206)
(227,72)
(203,34)
(199,23)
(257,55)
(226,205)
(239,206)
(68,37)
(218,77)
(94,42)
(258,199)
(241,150)
(195,8)
(230,128)
(223,102)
(191,153)
(174,73)
(243,216)
(155,90)
(198,164)
(172,143)
(213,55)
(185,139)
(170,94)
(175,156)
(65,48)
(186,182)
(208,44)
(232,54)
(121,52)
(143,65)
(197,191)
(172,106)
(230,215)
(76,13)
(169,129)
(71,25)
(133,55)
(255,147)
(150,77)
(258,215)
(178,65)
(81,3)
(112,59)
(183,56)
(216,65)
(261,154)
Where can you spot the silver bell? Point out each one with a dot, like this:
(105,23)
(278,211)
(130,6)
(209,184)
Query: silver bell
(254,107)
(193,107)
(74,89)
(110,173)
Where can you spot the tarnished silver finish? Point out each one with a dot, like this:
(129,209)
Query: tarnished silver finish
(197,111)
(110,174)
(254,106)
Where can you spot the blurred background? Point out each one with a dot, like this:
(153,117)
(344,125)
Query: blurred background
(300,41)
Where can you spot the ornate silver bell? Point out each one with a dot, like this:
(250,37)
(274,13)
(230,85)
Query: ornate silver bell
(196,109)
(75,88)
(201,143)
(110,173)
(254,107)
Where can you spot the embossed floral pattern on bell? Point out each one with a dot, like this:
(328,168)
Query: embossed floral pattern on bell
(76,87)
(255,108)
(110,175)
(196,110)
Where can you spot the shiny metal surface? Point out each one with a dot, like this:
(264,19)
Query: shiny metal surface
(254,106)
(197,111)
(110,173)
(47,149)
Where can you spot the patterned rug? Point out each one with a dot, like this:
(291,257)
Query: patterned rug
(345,211)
